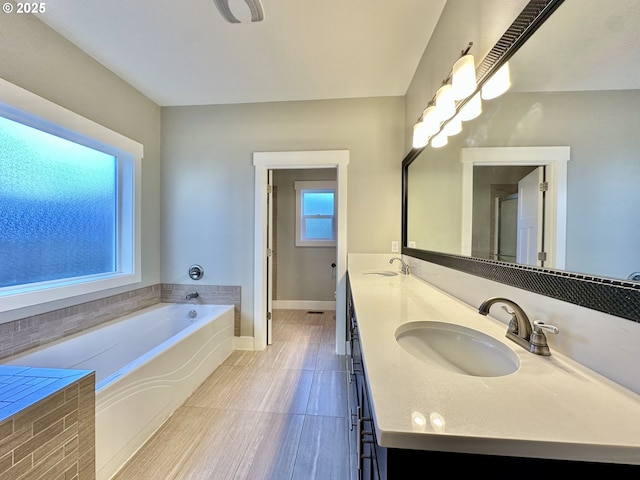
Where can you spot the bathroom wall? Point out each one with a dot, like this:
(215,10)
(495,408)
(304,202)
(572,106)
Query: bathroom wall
(302,273)
(36,58)
(208,179)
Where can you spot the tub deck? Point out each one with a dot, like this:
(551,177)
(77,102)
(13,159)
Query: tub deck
(146,365)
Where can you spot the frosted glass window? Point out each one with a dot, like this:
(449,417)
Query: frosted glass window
(70,208)
(315,218)
(57,207)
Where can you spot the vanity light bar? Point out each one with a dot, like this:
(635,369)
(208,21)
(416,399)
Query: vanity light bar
(469,107)
(443,107)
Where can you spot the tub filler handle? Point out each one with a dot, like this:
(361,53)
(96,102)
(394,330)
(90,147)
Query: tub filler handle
(196,272)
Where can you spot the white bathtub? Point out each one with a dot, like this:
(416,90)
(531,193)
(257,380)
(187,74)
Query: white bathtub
(147,364)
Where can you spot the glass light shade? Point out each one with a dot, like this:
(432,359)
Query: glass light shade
(431,120)
(471,109)
(420,135)
(497,84)
(453,126)
(445,103)
(440,140)
(463,79)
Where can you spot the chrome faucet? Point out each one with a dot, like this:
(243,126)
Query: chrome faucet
(192,295)
(520,328)
(405,268)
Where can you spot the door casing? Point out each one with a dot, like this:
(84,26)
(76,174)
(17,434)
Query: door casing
(555,218)
(263,162)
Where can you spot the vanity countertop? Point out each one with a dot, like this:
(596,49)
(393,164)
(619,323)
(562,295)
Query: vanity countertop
(551,407)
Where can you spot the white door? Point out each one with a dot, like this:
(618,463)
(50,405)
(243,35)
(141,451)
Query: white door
(270,276)
(530,218)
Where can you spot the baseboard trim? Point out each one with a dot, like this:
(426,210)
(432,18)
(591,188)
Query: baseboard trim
(243,343)
(304,305)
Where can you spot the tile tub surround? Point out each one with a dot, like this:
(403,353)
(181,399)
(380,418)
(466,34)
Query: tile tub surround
(207,294)
(47,423)
(552,407)
(26,333)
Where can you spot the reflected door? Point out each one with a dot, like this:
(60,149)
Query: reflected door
(530,209)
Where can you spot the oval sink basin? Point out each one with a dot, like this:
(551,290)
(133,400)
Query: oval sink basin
(382,273)
(457,348)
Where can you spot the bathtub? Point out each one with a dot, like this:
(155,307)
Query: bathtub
(147,364)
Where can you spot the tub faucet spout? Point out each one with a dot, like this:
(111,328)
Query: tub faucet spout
(192,295)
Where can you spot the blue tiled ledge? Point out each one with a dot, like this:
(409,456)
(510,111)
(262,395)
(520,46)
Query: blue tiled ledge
(21,387)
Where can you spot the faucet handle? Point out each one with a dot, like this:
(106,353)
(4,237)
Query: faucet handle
(538,325)
(513,323)
(538,343)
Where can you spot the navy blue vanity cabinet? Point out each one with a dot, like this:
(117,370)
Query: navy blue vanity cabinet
(362,438)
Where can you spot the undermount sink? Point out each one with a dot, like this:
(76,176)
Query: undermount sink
(382,273)
(457,348)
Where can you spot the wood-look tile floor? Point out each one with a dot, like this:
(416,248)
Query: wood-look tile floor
(278,414)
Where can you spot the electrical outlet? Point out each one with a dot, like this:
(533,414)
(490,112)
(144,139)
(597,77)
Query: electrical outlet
(394,246)
(412,244)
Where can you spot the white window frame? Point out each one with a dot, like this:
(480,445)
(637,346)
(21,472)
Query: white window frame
(23,106)
(315,186)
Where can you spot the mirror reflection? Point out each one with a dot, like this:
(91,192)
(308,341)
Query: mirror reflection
(549,173)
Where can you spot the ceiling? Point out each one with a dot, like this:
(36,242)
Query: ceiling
(185,53)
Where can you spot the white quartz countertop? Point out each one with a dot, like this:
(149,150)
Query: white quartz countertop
(551,407)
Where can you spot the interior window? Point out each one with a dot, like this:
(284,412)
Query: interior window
(315,214)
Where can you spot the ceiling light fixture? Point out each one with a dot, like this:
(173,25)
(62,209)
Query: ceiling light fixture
(255,7)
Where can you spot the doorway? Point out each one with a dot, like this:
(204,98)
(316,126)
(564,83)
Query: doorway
(555,160)
(505,228)
(507,223)
(301,265)
(263,163)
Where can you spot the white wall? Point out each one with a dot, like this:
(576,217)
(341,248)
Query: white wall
(37,59)
(208,179)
